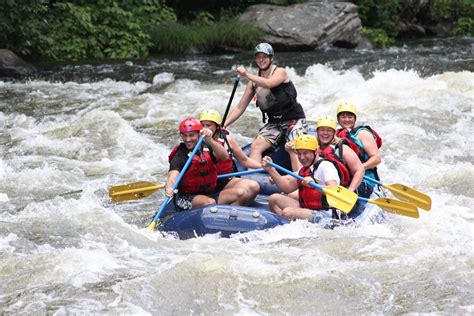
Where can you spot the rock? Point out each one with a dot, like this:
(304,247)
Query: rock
(13,66)
(307,25)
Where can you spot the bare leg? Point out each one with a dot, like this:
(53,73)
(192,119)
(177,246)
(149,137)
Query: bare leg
(258,147)
(294,195)
(297,213)
(201,200)
(251,188)
(278,202)
(233,196)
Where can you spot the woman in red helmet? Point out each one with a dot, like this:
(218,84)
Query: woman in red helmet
(276,97)
(197,187)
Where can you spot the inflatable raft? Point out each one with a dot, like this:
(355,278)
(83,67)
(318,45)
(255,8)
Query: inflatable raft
(227,220)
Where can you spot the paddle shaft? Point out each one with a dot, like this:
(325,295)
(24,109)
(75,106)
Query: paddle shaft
(236,83)
(297,176)
(181,175)
(241,173)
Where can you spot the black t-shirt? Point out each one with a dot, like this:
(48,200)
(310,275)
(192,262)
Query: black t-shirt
(182,155)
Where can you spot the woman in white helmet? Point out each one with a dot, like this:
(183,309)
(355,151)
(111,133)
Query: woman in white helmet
(276,98)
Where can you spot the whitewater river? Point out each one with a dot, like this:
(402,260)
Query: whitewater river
(74,130)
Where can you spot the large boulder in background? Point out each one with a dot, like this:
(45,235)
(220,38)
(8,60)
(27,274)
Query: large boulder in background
(307,25)
(13,66)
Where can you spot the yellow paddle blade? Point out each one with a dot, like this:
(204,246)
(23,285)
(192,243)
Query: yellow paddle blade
(133,191)
(397,207)
(152,226)
(409,194)
(340,198)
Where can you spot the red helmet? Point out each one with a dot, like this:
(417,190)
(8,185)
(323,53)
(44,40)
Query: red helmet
(190,124)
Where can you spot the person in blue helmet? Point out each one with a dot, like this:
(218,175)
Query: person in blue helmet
(283,117)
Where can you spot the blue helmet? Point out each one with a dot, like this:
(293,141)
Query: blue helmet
(264,48)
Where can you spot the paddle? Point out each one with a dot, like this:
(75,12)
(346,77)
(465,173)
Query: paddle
(142,189)
(340,196)
(133,191)
(236,83)
(337,196)
(403,192)
(175,185)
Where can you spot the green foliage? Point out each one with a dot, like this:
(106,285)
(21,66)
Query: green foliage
(72,30)
(378,37)
(450,9)
(178,38)
(464,26)
(379,14)
(14,34)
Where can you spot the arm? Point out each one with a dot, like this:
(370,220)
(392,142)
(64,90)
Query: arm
(237,111)
(371,149)
(172,176)
(355,167)
(218,150)
(278,77)
(244,160)
(286,184)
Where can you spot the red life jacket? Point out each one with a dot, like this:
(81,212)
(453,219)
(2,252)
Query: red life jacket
(226,166)
(329,153)
(307,196)
(201,176)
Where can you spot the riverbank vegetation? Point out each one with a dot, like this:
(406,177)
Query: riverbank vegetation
(81,29)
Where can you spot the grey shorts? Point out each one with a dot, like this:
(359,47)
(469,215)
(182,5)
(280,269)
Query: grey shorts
(277,133)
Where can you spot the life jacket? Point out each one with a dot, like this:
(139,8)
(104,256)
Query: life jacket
(350,136)
(201,176)
(278,103)
(309,197)
(334,154)
(226,166)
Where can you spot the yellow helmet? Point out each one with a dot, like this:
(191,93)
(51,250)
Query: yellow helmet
(308,142)
(210,115)
(326,120)
(346,107)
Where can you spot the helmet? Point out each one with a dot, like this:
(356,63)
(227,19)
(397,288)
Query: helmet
(264,48)
(346,107)
(190,124)
(308,142)
(210,115)
(326,120)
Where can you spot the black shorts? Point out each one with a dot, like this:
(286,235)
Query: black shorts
(184,202)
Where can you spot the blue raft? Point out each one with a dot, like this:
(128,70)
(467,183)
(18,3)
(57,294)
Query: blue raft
(230,219)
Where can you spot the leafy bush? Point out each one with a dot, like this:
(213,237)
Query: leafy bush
(379,14)
(81,29)
(378,37)
(464,26)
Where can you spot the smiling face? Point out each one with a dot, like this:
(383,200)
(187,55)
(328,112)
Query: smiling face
(190,139)
(306,157)
(325,135)
(346,120)
(262,60)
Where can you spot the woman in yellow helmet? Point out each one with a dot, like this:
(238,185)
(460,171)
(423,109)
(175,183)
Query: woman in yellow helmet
(363,140)
(211,119)
(276,97)
(314,168)
(335,149)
